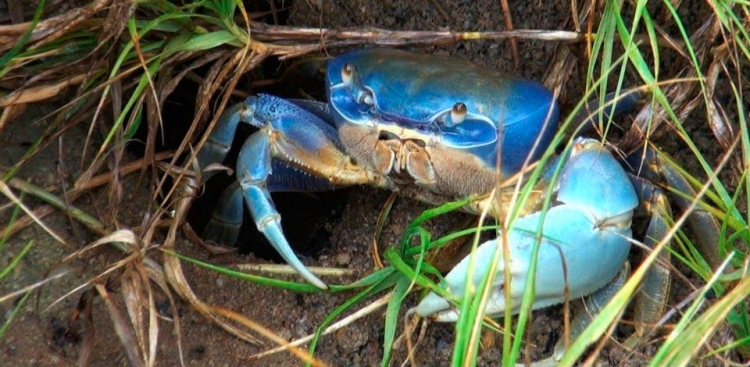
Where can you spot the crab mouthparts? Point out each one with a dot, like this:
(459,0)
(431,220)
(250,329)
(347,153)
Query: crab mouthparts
(403,157)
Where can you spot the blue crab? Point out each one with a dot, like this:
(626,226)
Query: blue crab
(437,129)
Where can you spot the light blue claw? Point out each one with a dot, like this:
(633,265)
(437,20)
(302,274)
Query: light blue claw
(586,233)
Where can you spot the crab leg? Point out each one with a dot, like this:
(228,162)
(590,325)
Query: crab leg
(226,220)
(652,297)
(594,304)
(584,240)
(294,149)
(657,167)
(653,167)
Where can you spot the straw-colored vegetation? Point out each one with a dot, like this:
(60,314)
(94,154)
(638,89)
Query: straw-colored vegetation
(112,64)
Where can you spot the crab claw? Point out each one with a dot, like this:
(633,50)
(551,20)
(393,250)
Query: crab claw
(584,240)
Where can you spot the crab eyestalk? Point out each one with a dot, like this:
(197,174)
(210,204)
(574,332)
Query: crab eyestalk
(456,116)
(350,77)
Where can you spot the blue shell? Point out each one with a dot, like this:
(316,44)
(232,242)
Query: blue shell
(413,90)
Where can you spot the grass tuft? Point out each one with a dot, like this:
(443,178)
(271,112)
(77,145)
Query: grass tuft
(115,63)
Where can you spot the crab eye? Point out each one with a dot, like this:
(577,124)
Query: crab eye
(366,98)
(458,113)
(456,116)
(347,74)
(350,78)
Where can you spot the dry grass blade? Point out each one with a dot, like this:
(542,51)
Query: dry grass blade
(14,104)
(27,220)
(158,277)
(5,190)
(122,239)
(682,96)
(288,270)
(411,346)
(123,329)
(176,279)
(47,30)
(186,191)
(9,113)
(173,267)
(382,217)
(307,40)
(87,344)
(215,81)
(39,93)
(718,120)
(509,26)
(302,355)
(72,195)
(364,311)
(124,236)
(138,298)
(13,295)
(139,336)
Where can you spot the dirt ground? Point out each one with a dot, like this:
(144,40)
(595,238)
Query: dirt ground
(42,336)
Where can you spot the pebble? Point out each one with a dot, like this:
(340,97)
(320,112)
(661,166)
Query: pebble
(351,339)
(343,259)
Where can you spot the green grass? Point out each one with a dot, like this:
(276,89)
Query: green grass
(693,329)
(7,269)
(162,34)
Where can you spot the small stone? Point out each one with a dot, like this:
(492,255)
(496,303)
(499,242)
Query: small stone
(351,339)
(343,259)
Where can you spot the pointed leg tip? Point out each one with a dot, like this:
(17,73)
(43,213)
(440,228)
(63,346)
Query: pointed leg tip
(221,233)
(320,285)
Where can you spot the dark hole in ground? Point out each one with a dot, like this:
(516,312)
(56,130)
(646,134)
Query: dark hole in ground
(303,215)
(62,335)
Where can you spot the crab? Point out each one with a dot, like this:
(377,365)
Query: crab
(440,129)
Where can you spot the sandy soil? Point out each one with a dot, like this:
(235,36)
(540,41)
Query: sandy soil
(42,335)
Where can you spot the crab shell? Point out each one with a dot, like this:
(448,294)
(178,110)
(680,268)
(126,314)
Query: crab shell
(393,112)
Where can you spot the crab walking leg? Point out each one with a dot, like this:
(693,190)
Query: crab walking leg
(651,301)
(224,227)
(226,221)
(594,305)
(658,167)
(589,231)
